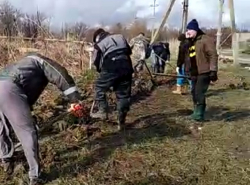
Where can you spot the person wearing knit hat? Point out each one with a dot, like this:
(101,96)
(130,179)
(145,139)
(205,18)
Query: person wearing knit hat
(193,25)
(203,62)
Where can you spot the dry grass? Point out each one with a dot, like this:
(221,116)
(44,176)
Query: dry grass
(158,148)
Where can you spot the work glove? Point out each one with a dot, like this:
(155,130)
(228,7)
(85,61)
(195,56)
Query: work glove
(213,76)
(74,97)
(178,70)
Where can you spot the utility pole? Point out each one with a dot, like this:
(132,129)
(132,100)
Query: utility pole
(154,5)
(170,6)
(218,39)
(184,16)
(234,34)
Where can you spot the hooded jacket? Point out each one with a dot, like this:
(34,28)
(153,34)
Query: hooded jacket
(32,74)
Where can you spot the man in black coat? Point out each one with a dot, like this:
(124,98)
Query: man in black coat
(112,60)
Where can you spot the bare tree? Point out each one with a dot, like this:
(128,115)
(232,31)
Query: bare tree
(9,19)
(79,29)
(32,25)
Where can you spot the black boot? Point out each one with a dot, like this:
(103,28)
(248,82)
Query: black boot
(36,181)
(8,166)
(121,120)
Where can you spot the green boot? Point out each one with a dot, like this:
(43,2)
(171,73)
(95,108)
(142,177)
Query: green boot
(199,113)
(193,115)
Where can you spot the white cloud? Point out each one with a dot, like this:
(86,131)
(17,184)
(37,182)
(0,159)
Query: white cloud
(112,11)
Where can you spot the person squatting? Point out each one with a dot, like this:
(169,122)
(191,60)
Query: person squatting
(21,85)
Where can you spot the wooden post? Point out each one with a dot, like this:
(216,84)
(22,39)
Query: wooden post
(234,35)
(90,59)
(90,50)
(218,39)
(184,16)
(156,33)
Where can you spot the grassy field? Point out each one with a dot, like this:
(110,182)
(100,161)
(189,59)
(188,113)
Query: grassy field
(158,147)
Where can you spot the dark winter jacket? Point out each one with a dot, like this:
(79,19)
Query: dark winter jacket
(112,54)
(183,56)
(161,50)
(32,74)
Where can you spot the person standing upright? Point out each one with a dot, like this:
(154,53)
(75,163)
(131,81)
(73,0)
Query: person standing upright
(203,66)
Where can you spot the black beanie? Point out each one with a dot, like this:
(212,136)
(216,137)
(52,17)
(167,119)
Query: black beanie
(97,32)
(193,25)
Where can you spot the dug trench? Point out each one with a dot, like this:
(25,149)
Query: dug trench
(157,147)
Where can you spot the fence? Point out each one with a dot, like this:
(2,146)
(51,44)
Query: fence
(68,51)
(243,40)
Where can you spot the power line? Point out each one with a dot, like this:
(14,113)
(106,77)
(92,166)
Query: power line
(154,5)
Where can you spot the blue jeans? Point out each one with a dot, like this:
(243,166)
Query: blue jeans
(181,81)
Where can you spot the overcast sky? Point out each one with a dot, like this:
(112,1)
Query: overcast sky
(93,12)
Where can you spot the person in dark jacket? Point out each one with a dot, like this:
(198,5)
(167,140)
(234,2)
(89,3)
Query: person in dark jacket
(182,69)
(112,60)
(203,62)
(21,85)
(160,56)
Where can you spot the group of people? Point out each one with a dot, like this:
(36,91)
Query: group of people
(23,82)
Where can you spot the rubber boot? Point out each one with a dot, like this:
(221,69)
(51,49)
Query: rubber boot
(8,166)
(199,114)
(193,115)
(121,120)
(178,90)
(102,113)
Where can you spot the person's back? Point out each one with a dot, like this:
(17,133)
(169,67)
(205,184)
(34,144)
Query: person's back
(21,85)
(33,72)
(139,46)
(112,61)
(162,50)
(160,54)
(115,54)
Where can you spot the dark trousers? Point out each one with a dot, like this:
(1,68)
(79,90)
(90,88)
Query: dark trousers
(200,86)
(158,66)
(121,84)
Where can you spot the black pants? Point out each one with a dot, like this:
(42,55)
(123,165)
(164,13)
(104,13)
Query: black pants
(121,85)
(159,68)
(200,86)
